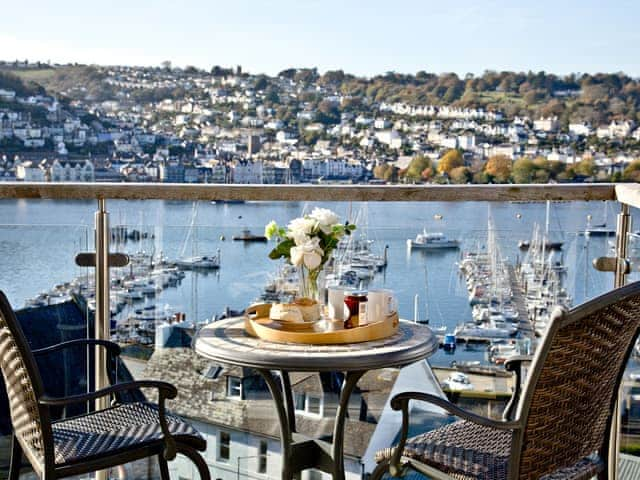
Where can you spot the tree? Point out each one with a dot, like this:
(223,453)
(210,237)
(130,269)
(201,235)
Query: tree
(288,73)
(523,170)
(499,168)
(385,171)
(450,160)
(632,172)
(586,167)
(460,175)
(417,166)
(261,82)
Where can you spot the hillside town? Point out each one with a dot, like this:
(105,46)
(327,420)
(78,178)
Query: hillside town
(164,124)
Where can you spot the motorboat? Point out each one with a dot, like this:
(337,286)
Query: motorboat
(199,263)
(432,241)
(247,236)
(495,330)
(457,382)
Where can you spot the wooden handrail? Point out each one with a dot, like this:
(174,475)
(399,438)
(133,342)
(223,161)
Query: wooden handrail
(384,193)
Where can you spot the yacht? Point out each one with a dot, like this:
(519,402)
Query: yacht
(199,263)
(432,241)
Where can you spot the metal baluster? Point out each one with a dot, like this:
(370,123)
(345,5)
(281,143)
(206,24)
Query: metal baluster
(103,311)
(622,269)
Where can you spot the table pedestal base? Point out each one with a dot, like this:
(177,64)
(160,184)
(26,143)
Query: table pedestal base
(298,451)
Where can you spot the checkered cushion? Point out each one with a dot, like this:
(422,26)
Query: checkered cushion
(115,429)
(468,451)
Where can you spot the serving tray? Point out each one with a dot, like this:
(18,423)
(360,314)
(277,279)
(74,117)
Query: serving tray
(323,332)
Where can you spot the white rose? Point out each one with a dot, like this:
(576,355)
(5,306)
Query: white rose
(299,238)
(301,225)
(326,219)
(308,254)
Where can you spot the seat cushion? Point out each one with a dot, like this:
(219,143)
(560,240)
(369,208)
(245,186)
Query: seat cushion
(463,450)
(468,451)
(115,429)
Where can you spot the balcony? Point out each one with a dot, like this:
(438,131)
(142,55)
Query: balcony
(158,300)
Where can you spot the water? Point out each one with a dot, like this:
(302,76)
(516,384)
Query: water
(39,240)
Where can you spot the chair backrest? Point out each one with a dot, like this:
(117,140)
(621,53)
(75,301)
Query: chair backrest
(23,383)
(568,401)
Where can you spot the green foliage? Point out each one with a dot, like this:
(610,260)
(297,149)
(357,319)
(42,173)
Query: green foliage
(632,172)
(460,175)
(523,170)
(416,168)
(586,167)
(385,171)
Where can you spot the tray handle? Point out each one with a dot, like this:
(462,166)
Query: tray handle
(258,310)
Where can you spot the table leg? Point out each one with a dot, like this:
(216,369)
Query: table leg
(283,419)
(349,383)
(288,397)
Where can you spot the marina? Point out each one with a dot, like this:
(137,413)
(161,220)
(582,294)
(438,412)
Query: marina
(245,274)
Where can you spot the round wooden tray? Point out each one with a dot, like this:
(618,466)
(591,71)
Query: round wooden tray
(323,332)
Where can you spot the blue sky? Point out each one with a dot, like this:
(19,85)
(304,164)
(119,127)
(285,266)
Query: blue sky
(361,37)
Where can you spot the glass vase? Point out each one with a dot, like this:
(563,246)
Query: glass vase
(309,287)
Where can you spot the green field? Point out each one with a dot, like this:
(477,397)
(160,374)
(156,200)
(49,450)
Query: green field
(33,75)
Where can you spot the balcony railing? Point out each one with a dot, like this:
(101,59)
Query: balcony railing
(617,261)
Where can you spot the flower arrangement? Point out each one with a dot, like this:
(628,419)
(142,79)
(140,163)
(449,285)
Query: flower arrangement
(307,243)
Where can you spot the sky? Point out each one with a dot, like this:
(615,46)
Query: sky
(361,37)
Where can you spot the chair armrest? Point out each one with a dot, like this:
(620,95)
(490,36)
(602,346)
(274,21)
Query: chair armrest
(165,390)
(514,364)
(401,402)
(110,346)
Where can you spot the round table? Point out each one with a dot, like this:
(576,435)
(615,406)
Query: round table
(226,341)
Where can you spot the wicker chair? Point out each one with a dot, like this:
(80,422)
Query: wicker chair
(559,427)
(90,442)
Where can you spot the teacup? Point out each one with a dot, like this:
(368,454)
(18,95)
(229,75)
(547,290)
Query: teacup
(381,303)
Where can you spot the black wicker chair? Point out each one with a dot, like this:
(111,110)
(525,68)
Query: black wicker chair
(90,442)
(559,428)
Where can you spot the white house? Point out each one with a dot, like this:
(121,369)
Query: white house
(72,171)
(389,137)
(246,171)
(546,124)
(580,129)
(30,172)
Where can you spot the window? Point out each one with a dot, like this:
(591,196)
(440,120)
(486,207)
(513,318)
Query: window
(308,404)
(262,457)
(224,446)
(314,405)
(234,387)
(314,474)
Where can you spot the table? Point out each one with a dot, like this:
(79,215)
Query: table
(226,341)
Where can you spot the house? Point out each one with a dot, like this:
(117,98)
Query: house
(7,95)
(246,171)
(30,171)
(389,137)
(72,171)
(232,408)
(580,129)
(546,124)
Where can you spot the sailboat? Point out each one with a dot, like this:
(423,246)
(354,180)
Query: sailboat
(196,262)
(600,229)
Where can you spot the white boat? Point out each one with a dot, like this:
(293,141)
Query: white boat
(432,241)
(457,382)
(470,329)
(199,263)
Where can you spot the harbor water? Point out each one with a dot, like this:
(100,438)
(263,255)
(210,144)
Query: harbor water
(39,240)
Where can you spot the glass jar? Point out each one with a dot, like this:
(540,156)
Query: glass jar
(356,303)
